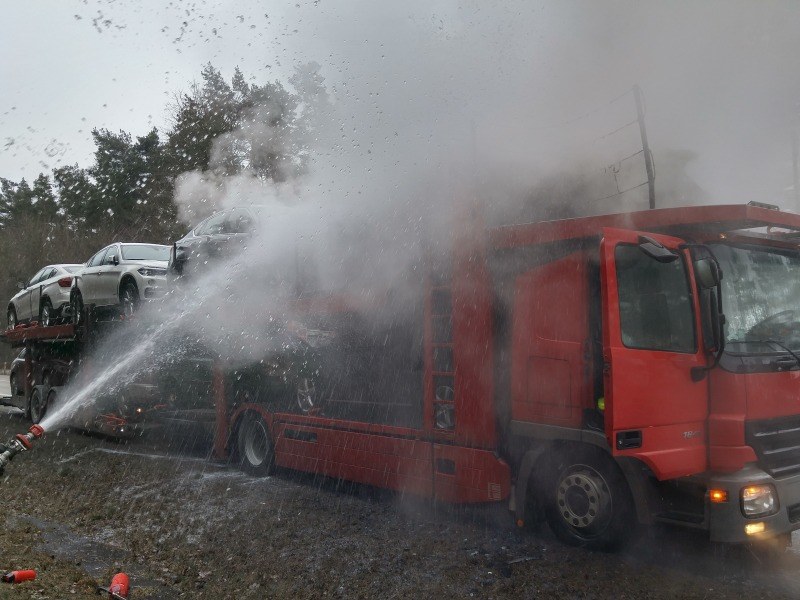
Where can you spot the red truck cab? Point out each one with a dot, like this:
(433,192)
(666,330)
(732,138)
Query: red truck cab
(654,366)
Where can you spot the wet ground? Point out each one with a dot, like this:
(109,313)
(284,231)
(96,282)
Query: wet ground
(79,508)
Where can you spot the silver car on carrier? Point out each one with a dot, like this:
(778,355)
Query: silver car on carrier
(119,276)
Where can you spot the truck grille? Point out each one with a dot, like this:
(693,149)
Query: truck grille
(776,443)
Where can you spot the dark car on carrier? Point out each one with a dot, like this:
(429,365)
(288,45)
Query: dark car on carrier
(221,234)
(16,376)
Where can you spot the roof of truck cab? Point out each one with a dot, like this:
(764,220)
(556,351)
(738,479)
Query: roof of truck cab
(676,221)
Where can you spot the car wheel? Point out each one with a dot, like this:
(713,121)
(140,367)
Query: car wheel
(76,307)
(37,405)
(48,379)
(12,317)
(254,447)
(129,298)
(306,394)
(12,380)
(589,503)
(46,316)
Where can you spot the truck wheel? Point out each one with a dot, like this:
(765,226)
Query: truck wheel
(76,306)
(253,446)
(129,298)
(589,503)
(46,316)
(37,405)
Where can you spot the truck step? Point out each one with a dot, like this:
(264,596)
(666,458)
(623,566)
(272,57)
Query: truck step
(686,519)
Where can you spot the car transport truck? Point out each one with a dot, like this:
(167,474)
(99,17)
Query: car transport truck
(594,372)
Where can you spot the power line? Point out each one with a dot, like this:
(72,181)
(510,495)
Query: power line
(622,160)
(617,130)
(619,193)
(585,115)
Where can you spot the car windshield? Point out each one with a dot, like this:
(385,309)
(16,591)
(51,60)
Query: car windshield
(72,269)
(760,295)
(144,252)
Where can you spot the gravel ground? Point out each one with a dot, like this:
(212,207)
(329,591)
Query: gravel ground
(79,508)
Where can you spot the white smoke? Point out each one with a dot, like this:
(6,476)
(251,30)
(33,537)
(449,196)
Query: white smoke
(523,107)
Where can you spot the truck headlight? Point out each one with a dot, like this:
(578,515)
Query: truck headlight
(759,500)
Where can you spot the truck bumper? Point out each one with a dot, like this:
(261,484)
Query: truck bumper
(727,522)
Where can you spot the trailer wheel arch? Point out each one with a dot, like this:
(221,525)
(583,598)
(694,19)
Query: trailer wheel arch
(536,466)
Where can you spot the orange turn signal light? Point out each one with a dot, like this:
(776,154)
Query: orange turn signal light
(718,496)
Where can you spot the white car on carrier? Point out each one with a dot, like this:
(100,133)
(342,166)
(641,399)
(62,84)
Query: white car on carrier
(44,297)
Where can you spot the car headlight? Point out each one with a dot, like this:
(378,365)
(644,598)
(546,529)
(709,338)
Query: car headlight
(759,500)
(146,272)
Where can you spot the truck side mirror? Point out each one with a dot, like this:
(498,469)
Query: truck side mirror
(707,273)
(21,285)
(708,276)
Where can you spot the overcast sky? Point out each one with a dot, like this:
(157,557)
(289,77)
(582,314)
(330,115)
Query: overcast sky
(532,80)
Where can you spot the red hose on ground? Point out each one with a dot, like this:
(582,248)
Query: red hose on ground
(19,576)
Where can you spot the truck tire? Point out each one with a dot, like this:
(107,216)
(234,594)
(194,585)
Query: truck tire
(37,405)
(254,449)
(588,502)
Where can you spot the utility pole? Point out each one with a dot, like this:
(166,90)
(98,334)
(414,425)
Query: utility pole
(795,169)
(648,157)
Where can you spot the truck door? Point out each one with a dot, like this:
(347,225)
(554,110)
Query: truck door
(654,410)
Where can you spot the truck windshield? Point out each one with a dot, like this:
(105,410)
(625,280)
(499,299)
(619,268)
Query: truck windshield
(760,296)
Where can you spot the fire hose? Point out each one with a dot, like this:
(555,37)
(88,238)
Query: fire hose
(22,442)
(19,443)
(119,588)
